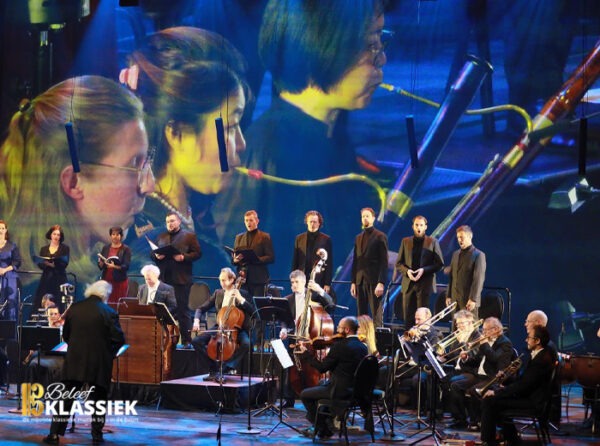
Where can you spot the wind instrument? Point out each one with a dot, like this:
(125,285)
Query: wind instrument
(415,333)
(450,339)
(502,375)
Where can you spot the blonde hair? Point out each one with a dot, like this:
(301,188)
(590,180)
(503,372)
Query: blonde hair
(365,324)
(36,151)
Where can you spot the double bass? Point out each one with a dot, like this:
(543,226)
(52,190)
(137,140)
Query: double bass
(314,323)
(223,343)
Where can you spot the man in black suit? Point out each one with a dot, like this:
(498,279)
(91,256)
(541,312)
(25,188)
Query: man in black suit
(306,246)
(176,269)
(154,290)
(419,258)
(477,367)
(527,392)
(297,301)
(228,294)
(257,273)
(341,361)
(369,268)
(94,336)
(467,273)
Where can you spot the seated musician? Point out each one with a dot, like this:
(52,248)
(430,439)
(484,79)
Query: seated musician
(527,392)
(460,356)
(493,355)
(54,317)
(156,291)
(229,294)
(297,301)
(411,354)
(341,361)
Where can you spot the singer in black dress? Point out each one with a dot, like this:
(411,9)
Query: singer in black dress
(53,261)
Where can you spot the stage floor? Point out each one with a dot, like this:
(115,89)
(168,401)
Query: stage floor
(165,426)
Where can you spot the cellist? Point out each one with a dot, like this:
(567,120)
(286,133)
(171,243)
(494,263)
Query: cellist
(228,294)
(297,301)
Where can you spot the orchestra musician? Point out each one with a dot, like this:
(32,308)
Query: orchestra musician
(412,352)
(526,392)
(228,294)
(341,361)
(306,246)
(494,354)
(55,319)
(155,290)
(465,367)
(297,301)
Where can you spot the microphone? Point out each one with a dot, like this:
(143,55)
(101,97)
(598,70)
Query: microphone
(72,147)
(222,147)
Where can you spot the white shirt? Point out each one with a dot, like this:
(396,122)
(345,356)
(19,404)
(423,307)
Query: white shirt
(152,292)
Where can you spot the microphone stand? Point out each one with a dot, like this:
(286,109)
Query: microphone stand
(249,430)
(391,385)
(18,396)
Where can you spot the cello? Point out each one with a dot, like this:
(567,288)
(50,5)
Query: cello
(314,323)
(222,345)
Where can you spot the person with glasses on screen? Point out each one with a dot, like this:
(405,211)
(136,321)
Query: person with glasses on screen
(104,184)
(325,59)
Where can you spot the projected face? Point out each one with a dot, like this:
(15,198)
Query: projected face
(3,230)
(356,88)
(196,159)
(114,190)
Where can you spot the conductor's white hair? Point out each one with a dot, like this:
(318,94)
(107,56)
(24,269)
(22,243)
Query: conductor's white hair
(101,289)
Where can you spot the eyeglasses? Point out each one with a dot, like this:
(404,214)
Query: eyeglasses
(378,48)
(144,173)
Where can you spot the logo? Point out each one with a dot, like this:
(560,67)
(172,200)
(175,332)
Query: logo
(33,404)
(60,400)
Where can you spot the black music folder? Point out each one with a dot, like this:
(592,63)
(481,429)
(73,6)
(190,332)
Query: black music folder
(249,255)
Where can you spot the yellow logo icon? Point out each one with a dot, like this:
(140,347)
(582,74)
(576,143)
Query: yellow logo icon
(33,404)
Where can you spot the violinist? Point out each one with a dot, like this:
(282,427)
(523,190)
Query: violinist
(54,318)
(297,301)
(228,294)
(341,361)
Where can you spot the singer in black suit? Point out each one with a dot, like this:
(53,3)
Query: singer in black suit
(341,361)
(467,273)
(528,392)
(176,270)
(94,336)
(369,268)
(306,246)
(159,291)
(257,273)
(419,258)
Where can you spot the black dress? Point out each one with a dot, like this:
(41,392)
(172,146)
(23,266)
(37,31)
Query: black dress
(52,277)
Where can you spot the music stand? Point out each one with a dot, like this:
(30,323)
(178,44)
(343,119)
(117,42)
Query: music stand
(439,374)
(164,318)
(270,310)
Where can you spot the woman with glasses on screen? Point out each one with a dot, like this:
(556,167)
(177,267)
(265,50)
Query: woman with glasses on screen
(40,185)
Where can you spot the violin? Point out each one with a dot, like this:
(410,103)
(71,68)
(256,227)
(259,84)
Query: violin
(230,319)
(322,342)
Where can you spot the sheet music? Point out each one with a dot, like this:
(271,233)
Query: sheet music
(282,354)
